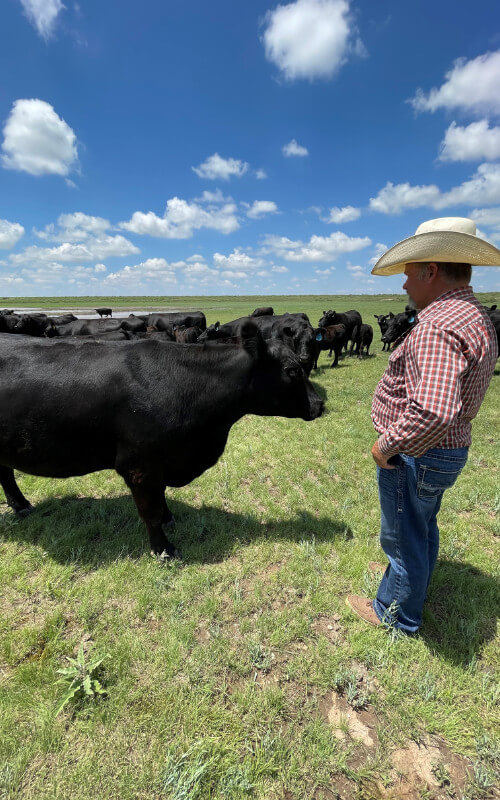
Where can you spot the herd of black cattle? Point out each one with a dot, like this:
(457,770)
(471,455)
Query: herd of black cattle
(156,412)
(335,330)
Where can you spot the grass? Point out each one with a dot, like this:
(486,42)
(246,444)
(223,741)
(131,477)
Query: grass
(218,667)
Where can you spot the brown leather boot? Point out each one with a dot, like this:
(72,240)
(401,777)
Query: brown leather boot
(363,608)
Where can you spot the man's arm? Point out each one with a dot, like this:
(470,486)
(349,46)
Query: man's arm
(434,366)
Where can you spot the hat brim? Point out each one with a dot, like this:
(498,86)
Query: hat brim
(445,246)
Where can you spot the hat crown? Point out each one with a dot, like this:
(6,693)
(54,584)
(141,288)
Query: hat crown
(456,224)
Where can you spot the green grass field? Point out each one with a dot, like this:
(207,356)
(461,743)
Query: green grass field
(239,672)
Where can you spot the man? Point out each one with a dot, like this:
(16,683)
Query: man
(423,406)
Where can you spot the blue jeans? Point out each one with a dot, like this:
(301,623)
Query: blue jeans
(410,498)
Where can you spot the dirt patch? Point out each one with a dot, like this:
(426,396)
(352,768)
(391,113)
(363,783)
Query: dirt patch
(330,627)
(345,721)
(429,765)
(341,788)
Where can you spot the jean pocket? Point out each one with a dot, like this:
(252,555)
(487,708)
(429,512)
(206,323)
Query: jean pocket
(432,482)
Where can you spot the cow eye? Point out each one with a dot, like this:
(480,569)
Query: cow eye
(292,372)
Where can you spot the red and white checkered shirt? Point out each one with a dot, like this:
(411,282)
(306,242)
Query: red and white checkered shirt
(437,378)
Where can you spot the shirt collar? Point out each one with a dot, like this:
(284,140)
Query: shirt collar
(462,293)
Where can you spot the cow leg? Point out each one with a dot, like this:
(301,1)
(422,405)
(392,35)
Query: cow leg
(15,498)
(149,497)
(336,361)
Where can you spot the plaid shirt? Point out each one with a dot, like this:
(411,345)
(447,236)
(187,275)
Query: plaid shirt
(436,378)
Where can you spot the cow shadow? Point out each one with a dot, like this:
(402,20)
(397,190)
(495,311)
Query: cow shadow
(460,616)
(91,532)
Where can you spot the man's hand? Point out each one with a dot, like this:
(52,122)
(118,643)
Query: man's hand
(380,459)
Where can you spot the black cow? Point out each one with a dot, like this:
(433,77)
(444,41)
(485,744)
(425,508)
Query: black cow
(134,324)
(185,335)
(32,324)
(104,312)
(162,418)
(63,319)
(165,321)
(494,315)
(292,329)
(365,337)
(331,338)
(351,320)
(383,321)
(264,311)
(6,311)
(85,327)
(399,325)
(8,322)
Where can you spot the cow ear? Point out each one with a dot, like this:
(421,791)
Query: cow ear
(391,315)
(493,308)
(251,340)
(318,334)
(217,325)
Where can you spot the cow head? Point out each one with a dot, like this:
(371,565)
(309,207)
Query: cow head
(328,318)
(278,385)
(212,332)
(399,324)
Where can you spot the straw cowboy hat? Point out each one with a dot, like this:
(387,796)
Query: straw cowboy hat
(447,239)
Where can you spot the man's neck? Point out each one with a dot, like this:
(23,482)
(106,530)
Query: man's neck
(441,289)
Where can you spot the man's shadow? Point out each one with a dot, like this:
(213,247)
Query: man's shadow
(90,532)
(461,613)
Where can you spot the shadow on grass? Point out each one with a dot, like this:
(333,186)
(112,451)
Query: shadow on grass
(91,532)
(461,614)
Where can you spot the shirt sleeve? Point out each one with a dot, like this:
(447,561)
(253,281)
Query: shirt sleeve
(434,367)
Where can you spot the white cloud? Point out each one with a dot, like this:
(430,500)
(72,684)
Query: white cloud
(310,38)
(261,207)
(215,167)
(182,218)
(157,269)
(483,188)
(324,271)
(379,250)
(279,269)
(232,275)
(38,141)
(93,250)
(392,199)
(260,174)
(10,233)
(75,227)
(100,268)
(319,248)
(486,216)
(237,260)
(293,148)
(213,197)
(42,14)
(472,143)
(341,215)
(469,85)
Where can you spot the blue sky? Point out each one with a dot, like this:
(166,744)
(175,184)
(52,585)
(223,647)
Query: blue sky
(239,148)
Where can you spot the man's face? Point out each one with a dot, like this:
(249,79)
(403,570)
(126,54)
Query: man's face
(416,286)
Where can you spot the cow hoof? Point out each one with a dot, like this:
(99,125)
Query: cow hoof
(165,557)
(24,512)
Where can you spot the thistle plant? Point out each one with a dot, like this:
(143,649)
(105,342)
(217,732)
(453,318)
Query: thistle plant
(80,678)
